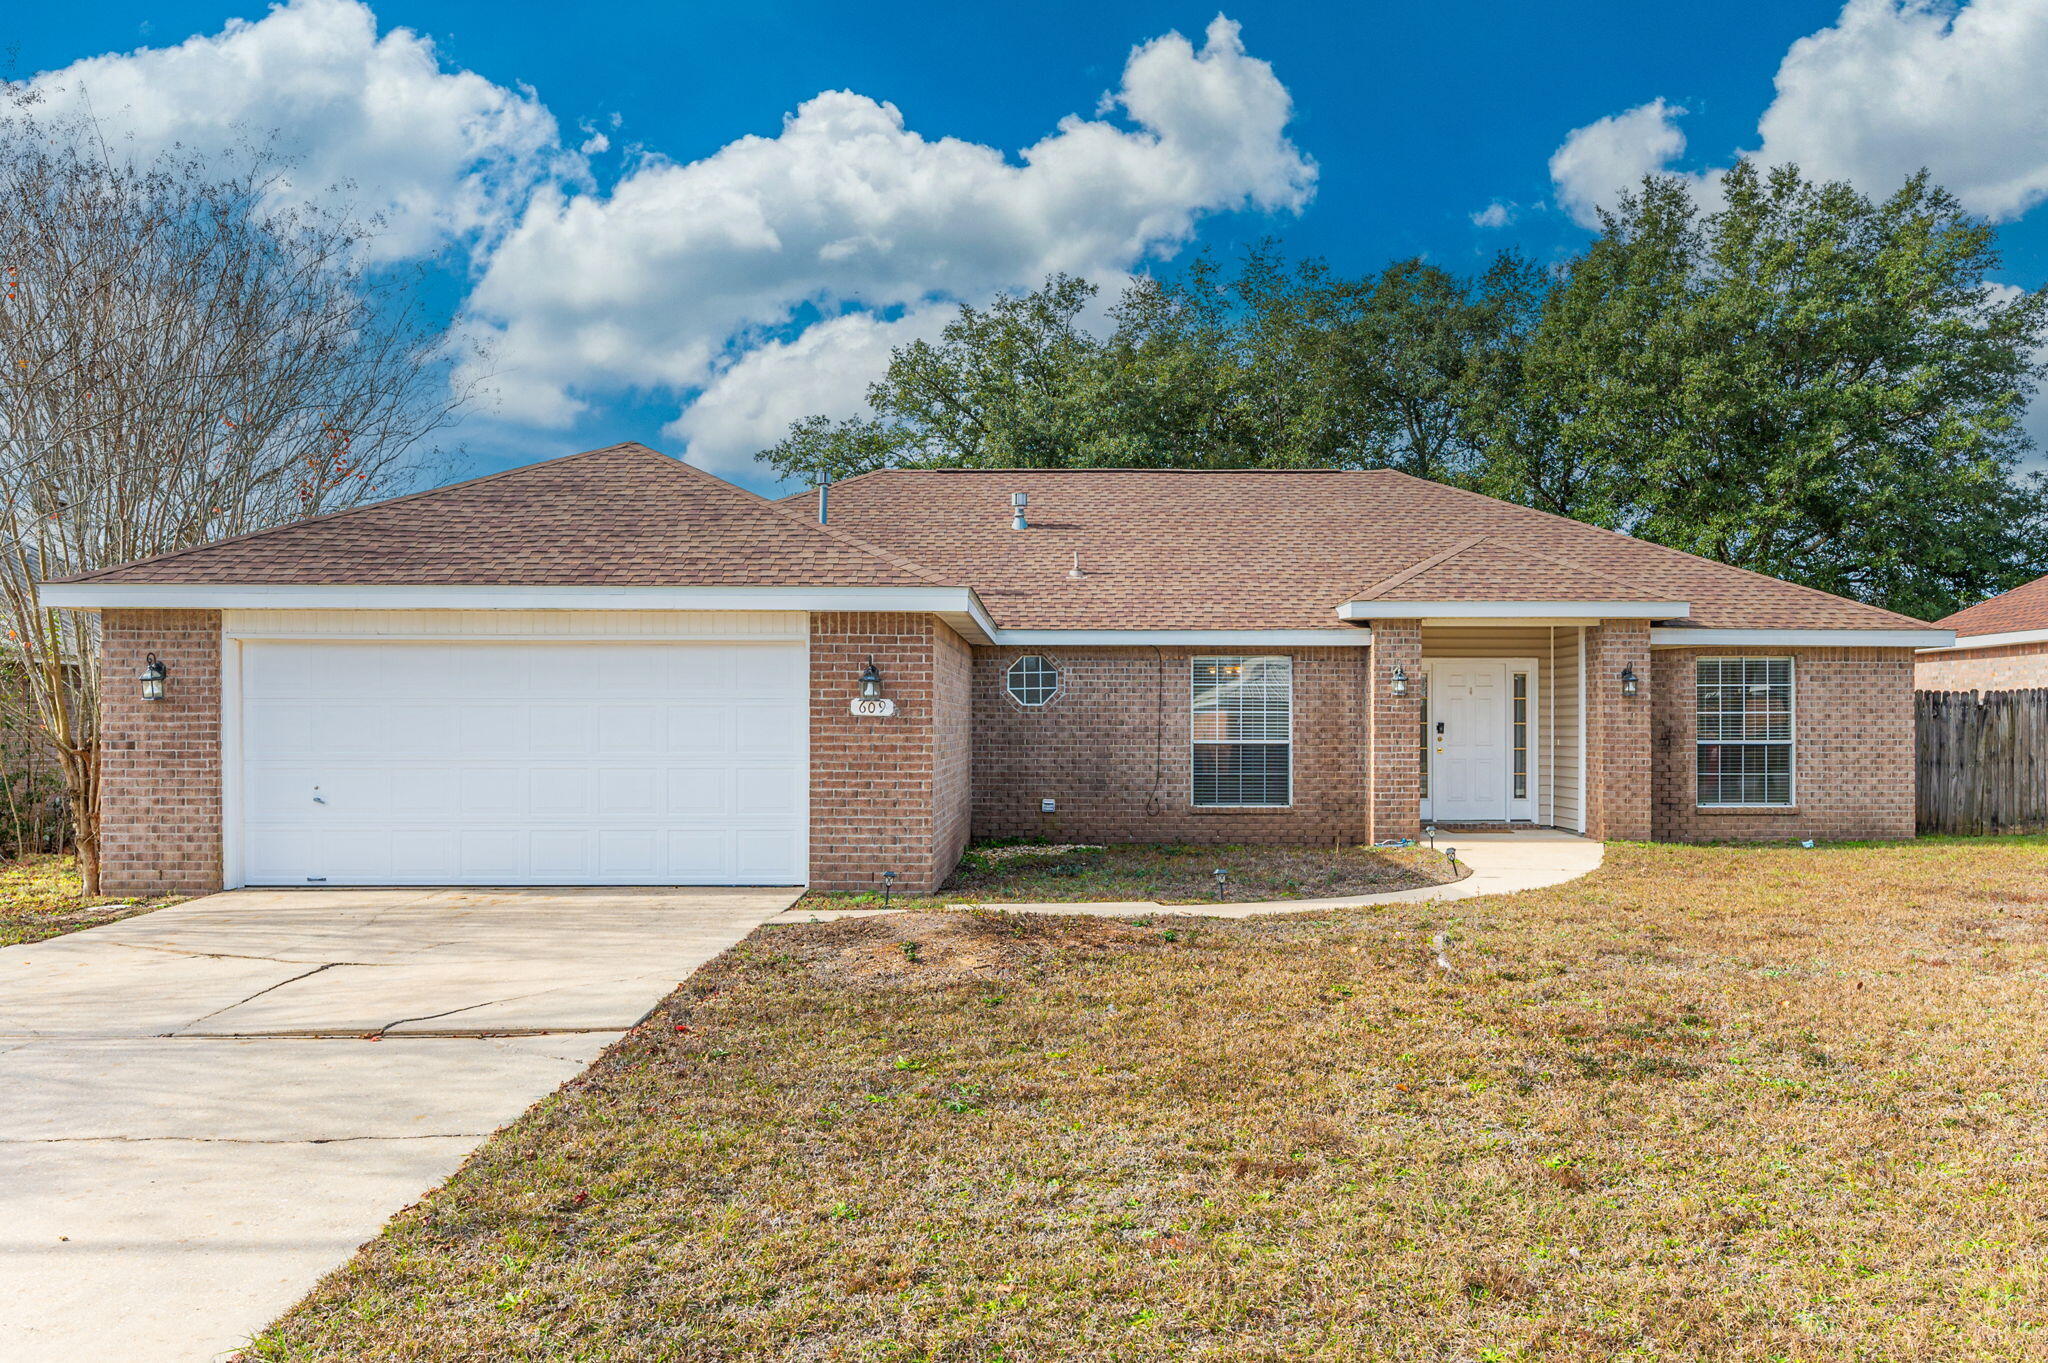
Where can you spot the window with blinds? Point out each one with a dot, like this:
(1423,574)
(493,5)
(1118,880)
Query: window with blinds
(1745,731)
(1243,731)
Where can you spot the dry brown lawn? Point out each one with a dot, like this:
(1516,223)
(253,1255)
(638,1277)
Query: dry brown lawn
(1708,1104)
(40,898)
(1165,873)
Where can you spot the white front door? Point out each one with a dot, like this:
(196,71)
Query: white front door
(373,762)
(1467,740)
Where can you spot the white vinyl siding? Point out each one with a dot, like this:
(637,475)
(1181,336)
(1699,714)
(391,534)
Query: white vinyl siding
(1554,709)
(1744,750)
(1243,738)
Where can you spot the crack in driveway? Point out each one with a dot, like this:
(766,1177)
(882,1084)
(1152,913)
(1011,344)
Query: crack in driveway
(303,975)
(215,955)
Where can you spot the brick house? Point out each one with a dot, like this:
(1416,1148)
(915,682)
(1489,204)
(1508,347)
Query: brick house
(615,669)
(2000,645)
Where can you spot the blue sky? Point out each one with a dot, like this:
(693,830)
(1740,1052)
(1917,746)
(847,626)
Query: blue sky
(579,182)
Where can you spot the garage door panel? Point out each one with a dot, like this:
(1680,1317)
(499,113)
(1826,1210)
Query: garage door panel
(699,730)
(629,729)
(769,674)
(562,853)
(696,855)
(756,853)
(764,790)
(492,794)
(494,730)
(559,793)
(764,731)
(422,857)
(523,763)
(425,792)
(698,792)
(629,853)
(564,730)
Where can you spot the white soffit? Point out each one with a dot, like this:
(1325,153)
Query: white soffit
(1514,610)
(958,606)
(1794,638)
(1195,638)
(1965,642)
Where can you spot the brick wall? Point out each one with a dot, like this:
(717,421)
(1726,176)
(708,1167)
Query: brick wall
(160,760)
(1112,749)
(953,743)
(2009,667)
(1394,736)
(1618,765)
(886,791)
(1852,755)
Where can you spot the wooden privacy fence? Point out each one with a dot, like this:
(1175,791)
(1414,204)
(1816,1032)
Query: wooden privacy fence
(1983,761)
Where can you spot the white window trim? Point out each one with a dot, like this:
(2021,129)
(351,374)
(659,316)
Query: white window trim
(1791,800)
(1193,715)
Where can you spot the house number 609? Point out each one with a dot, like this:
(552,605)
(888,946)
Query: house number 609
(874,707)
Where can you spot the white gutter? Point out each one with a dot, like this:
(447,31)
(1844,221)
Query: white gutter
(1196,638)
(1964,643)
(1800,638)
(958,604)
(1514,610)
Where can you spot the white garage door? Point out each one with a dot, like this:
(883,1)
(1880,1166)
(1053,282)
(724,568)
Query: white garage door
(498,763)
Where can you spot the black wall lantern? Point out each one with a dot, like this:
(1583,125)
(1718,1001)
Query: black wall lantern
(871,682)
(152,677)
(1628,680)
(1400,681)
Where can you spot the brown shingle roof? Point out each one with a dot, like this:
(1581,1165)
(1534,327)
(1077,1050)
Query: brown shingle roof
(1158,549)
(1273,549)
(620,516)
(1481,568)
(2023,608)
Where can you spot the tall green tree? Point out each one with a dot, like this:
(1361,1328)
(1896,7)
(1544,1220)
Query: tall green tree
(1803,381)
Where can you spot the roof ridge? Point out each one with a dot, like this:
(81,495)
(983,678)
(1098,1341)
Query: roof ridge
(1420,565)
(908,565)
(1661,548)
(352,510)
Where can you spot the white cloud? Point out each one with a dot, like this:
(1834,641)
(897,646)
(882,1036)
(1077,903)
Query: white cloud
(826,368)
(1608,157)
(659,283)
(1495,214)
(1900,84)
(1891,87)
(442,155)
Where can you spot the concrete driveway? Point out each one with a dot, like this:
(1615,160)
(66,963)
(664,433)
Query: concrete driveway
(208,1107)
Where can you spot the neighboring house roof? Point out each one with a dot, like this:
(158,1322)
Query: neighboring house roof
(1281,549)
(623,516)
(2023,609)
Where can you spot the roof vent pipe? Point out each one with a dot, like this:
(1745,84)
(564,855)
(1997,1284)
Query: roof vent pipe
(824,499)
(1018,501)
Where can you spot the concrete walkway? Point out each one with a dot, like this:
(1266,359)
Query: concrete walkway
(1501,863)
(210,1106)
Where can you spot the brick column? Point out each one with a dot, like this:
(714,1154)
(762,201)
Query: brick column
(1394,752)
(1618,756)
(160,760)
(888,792)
